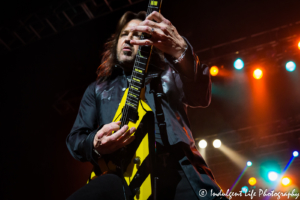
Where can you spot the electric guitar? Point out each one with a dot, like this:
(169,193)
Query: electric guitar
(135,162)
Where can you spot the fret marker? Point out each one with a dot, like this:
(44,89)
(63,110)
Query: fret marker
(134,88)
(137,80)
(153,3)
(132,95)
(131,105)
(138,70)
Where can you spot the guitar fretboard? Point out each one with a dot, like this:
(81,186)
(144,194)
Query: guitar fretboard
(140,65)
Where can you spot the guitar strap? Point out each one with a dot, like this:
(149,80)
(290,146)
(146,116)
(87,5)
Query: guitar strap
(157,90)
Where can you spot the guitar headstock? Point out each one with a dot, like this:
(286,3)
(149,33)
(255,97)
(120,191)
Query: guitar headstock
(154,6)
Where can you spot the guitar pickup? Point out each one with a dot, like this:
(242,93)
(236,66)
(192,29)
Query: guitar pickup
(133,115)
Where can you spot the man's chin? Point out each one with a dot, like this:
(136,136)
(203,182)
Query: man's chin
(127,53)
(127,63)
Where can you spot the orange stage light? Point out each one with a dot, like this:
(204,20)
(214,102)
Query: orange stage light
(214,70)
(285,181)
(252,181)
(299,45)
(258,73)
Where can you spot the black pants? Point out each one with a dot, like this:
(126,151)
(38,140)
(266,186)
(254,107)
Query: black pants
(172,184)
(104,187)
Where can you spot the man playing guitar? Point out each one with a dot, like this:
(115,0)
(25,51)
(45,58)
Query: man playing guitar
(175,80)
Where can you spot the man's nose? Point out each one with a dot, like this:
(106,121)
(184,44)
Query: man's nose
(127,41)
(128,38)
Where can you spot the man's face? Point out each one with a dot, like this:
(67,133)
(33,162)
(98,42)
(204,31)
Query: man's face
(125,51)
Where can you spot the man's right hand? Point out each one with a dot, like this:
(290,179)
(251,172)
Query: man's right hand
(105,142)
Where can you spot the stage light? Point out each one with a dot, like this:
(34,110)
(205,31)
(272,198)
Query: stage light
(290,66)
(238,64)
(272,176)
(258,73)
(217,143)
(214,70)
(285,181)
(202,144)
(245,189)
(249,163)
(252,181)
(299,45)
(295,153)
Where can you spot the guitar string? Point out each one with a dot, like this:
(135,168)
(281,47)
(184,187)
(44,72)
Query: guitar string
(125,113)
(124,117)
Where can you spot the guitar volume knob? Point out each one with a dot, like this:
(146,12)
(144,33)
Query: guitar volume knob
(136,160)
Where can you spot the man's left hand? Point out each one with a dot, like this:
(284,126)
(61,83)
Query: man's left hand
(164,35)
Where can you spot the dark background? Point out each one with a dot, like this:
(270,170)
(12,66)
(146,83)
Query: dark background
(37,116)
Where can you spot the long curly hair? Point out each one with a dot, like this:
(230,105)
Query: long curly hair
(109,56)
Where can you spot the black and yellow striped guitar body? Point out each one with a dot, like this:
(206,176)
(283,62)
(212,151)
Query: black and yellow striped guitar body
(135,162)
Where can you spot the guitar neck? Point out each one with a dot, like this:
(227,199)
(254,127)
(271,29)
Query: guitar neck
(141,63)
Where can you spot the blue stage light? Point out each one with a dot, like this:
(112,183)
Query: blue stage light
(245,189)
(238,64)
(290,66)
(249,163)
(295,153)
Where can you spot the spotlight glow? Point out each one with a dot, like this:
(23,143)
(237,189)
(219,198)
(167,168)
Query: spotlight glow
(252,181)
(202,144)
(295,153)
(245,189)
(290,66)
(299,45)
(249,163)
(286,181)
(214,70)
(217,143)
(238,64)
(272,176)
(258,73)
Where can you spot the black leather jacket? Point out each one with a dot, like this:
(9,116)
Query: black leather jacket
(101,99)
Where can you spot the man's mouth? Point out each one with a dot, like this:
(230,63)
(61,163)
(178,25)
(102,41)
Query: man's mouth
(126,49)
